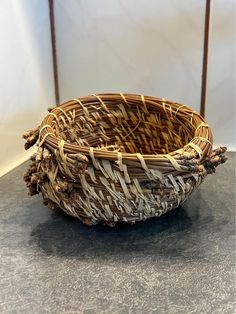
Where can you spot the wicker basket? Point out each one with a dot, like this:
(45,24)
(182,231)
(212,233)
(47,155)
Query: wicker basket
(120,157)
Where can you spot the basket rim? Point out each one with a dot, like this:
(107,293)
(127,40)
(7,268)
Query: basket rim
(201,144)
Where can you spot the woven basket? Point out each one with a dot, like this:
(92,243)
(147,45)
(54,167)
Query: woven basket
(120,157)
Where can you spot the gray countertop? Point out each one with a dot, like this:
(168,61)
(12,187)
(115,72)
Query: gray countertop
(182,262)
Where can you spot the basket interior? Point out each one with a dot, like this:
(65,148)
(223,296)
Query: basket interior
(130,129)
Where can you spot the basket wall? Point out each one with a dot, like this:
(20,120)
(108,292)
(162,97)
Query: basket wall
(120,157)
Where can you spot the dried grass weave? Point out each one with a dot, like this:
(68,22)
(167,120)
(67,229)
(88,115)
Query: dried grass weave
(120,157)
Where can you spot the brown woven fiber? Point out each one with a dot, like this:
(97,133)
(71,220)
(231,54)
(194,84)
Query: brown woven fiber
(120,157)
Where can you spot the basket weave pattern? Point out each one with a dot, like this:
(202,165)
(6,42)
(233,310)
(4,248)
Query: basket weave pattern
(120,157)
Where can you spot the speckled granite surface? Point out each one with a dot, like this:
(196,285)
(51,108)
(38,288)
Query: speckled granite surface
(182,262)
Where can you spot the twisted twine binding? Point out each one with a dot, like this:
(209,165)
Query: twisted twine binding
(120,157)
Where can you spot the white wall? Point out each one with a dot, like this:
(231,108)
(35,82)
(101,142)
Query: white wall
(150,47)
(26,81)
(220,109)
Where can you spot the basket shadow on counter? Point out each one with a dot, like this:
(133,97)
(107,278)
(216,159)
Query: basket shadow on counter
(175,234)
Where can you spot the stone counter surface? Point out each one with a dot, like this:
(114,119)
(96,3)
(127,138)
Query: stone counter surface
(182,262)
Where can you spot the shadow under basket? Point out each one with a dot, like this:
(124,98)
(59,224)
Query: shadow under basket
(111,158)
